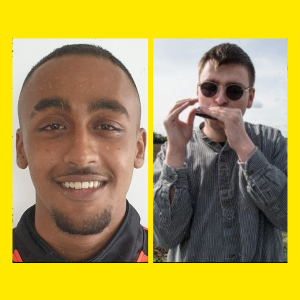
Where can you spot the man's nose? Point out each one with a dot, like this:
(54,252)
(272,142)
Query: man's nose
(221,98)
(82,149)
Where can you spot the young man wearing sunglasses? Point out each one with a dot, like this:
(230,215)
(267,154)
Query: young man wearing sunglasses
(220,192)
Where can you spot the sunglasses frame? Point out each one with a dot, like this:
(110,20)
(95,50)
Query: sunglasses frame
(226,86)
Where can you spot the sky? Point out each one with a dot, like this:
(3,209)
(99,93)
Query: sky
(133,53)
(175,72)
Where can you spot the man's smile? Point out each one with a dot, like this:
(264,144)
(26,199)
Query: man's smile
(83,185)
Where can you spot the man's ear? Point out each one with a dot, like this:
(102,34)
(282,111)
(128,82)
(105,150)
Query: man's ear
(251,98)
(140,148)
(21,156)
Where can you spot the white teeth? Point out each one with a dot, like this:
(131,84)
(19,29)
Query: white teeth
(82,185)
(77,185)
(85,185)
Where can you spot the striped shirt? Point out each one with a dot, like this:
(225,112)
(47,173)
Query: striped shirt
(223,210)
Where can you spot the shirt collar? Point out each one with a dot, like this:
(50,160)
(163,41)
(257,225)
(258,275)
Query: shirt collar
(214,145)
(124,246)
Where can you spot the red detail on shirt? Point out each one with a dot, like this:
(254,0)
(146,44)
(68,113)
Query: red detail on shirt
(142,257)
(17,257)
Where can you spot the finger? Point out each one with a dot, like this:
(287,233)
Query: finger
(191,101)
(191,117)
(179,109)
(188,100)
(217,114)
(175,113)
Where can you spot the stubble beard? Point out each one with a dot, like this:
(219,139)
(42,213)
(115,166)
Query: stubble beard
(89,226)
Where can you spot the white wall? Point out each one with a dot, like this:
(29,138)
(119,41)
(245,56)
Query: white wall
(133,53)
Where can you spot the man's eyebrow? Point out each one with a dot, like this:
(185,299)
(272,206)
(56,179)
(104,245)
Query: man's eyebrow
(211,80)
(217,82)
(46,103)
(113,105)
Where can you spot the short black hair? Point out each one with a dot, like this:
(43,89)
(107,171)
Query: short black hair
(227,53)
(82,49)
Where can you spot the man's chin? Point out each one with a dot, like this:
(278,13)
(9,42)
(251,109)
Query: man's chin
(89,225)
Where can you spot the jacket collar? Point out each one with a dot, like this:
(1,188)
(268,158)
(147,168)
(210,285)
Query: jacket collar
(124,246)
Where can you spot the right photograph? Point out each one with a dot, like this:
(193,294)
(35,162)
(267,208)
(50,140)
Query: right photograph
(220,150)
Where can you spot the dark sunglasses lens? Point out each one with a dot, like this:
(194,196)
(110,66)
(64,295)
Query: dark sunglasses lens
(208,89)
(234,92)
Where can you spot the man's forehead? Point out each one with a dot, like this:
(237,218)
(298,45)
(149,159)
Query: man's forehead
(75,73)
(78,67)
(78,77)
(232,72)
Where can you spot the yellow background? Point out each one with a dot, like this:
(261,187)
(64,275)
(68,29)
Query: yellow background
(144,19)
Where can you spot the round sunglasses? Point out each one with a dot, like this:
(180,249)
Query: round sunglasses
(233,91)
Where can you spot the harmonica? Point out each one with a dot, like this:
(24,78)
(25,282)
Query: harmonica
(204,115)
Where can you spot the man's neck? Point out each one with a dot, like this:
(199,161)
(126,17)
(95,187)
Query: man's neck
(216,135)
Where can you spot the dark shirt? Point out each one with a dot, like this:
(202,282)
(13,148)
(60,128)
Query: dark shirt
(223,210)
(128,244)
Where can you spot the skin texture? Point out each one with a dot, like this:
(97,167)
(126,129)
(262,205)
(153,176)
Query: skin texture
(79,121)
(229,126)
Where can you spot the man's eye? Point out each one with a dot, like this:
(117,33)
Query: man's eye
(53,127)
(107,127)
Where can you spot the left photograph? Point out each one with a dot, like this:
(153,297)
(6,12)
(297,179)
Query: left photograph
(80,170)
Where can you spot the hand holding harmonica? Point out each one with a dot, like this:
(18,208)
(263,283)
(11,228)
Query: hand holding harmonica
(199,114)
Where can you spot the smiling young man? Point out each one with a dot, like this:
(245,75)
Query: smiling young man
(220,192)
(80,136)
